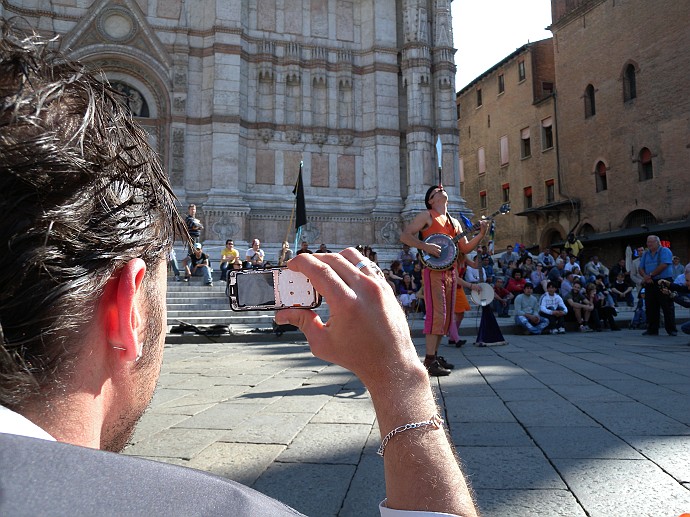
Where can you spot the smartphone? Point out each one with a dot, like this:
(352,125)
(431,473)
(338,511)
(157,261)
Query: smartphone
(270,289)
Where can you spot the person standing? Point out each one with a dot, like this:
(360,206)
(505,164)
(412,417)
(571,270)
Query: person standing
(194,225)
(656,264)
(439,286)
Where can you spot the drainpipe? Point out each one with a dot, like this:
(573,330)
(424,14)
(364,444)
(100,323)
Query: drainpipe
(574,202)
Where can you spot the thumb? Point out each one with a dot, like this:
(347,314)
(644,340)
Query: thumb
(306,320)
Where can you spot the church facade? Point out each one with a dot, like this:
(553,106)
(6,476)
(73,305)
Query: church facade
(235,94)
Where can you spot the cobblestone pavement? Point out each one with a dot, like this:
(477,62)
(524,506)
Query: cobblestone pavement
(568,425)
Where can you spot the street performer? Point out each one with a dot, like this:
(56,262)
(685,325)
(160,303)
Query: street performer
(439,286)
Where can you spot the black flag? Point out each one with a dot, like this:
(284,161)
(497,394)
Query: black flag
(301,218)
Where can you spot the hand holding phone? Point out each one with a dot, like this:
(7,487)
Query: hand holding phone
(270,289)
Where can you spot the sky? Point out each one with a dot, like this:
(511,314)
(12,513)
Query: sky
(486,31)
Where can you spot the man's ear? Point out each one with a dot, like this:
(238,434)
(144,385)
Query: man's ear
(123,318)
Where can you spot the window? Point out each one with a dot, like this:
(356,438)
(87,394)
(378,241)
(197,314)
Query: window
(600,175)
(546,88)
(528,197)
(506,192)
(645,168)
(504,150)
(546,134)
(479,97)
(461,170)
(457,111)
(521,71)
(481,160)
(590,107)
(525,146)
(482,199)
(629,85)
(550,191)
(501,83)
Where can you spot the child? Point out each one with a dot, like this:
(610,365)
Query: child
(639,318)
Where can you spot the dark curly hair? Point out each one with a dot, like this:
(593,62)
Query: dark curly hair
(81,193)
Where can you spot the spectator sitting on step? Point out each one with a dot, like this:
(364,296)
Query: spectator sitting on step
(198,260)
(594,268)
(677,268)
(304,248)
(229,259)
(516,284)
(553,308)
(406,292)
(580,305)
(603,289)
(622,289)
(285,254)
(406,258)
(571,264)
(488,270)
(502,299)
(527,311)
(255,256)
(538,279)
(603,313)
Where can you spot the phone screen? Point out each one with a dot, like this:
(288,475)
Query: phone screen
(270,289)
(256,289)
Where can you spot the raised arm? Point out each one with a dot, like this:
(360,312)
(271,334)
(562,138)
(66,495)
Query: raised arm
(367,333)
(466,246)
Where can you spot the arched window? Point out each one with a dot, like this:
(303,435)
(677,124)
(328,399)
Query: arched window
(629,86)
(644,165)
(590,107)
(132,98)
(586,229)
(637,218)
(600,175)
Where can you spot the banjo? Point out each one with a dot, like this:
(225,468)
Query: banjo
(449,248)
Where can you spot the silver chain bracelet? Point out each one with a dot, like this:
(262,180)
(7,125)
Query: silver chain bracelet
(435,421)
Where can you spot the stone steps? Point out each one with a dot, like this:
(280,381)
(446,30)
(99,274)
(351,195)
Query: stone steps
(194,303)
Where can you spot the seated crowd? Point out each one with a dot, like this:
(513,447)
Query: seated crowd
(541,291)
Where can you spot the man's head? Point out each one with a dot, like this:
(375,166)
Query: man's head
(595,259)
(405,247)
(229,244)
(653,242)
(434,194)
(577,286)
(551,287)
(528,290)
(509,248)
(305,245)
(87,207)
(198,249)
(191,210)
(499,282)
(256,244)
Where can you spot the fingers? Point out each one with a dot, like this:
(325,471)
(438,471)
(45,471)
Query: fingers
(322,271)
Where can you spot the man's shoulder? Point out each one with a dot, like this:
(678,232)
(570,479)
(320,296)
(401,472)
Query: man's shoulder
(69,476)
